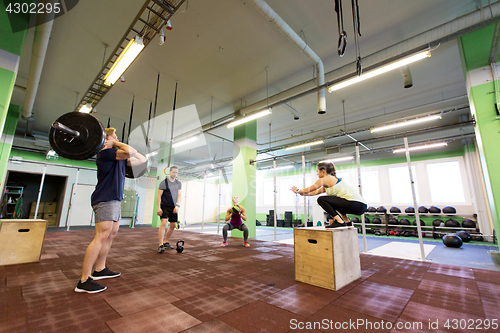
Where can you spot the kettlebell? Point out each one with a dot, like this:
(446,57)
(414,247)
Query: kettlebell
(180,247)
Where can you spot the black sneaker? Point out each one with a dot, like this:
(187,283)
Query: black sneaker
(336,224)
(167,246)
(161,249)
(104,274)
(89,286)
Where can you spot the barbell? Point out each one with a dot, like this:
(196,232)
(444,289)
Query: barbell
(79,136)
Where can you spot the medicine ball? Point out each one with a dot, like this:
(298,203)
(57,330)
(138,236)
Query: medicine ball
(236,209)
(452,223)
(437,222)
(404,222)
(395,210)
(423,210)
(421,222)
(354,220)
(367,220)
(452,240)
(393,221)
(449,210)
(465,236)
(371,209)
(466,223)
(410,210)
(376,220)
(434,210)
(381,209)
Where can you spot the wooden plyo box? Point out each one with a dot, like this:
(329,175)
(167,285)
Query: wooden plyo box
(21,241)
(327,258)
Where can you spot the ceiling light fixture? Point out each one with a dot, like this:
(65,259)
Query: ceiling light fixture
(285,167)
(246,119)
(428,146)
(305,145)
(126,57)
(185,141)
(339,159)
(406,123)
(381,70)
(86,108)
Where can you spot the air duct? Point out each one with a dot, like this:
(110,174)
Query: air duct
(405,72)
(39,50)
(292,110)
(278,22)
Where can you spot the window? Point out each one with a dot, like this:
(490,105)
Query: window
(445,182)
(345,176)
(399,180)
(269,192)
(285,196)
(370,186)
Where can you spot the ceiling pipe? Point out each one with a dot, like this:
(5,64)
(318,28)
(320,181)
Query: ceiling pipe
(292,110)
(374,118)
(278,22)
(39,50)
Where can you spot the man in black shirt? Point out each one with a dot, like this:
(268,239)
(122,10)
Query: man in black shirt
(106,202)
(168,202)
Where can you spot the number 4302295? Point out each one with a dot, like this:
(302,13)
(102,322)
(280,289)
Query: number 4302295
(33,8)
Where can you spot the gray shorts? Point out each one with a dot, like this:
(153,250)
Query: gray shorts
(107,211)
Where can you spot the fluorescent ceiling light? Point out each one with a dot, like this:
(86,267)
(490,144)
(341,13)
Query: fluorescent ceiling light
(381,70)
(126,57)
(186,141)
(432,145)
(153,153)
(249,118)
(306,145)
(406,123)
(86,108)
(339,159)
(285,167)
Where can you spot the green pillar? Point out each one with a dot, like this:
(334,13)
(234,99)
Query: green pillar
(9,130)
(11,46)
(475,49)
(244,181)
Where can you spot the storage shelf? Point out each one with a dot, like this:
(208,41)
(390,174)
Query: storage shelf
(411,226)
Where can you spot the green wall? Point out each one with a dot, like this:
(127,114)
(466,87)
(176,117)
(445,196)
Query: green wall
(41,158)
(475,50)
(8,132)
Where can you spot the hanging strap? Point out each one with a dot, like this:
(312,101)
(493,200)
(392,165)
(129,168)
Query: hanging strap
(355,24)
(342,44)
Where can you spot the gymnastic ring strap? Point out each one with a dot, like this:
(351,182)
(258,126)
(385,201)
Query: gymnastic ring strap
(359,67)
(342,43)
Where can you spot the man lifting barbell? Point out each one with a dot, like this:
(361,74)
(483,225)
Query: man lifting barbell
(80,136)
(111,163)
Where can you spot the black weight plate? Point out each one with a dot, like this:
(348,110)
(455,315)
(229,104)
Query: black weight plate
(89,143)
(137,170)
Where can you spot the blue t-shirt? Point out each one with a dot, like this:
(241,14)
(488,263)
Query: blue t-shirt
(110,177)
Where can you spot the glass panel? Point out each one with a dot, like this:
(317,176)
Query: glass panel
(445,182)
(399,180)
(370,186)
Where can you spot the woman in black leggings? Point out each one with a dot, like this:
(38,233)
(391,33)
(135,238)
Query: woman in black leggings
(341,199)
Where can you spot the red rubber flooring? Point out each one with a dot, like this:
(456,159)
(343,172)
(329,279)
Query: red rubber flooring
(236,289)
